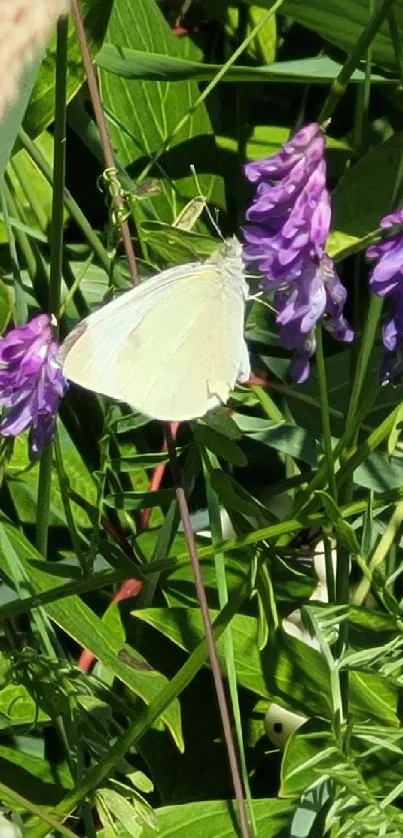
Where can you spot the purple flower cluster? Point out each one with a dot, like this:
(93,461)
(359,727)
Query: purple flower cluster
(386,280)
(31,382)
(289,221)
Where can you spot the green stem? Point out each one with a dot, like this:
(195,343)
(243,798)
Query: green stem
(209,87)
(388,539)
(64,491)
(59,169)
(56,253)
(339,85)
(366,346)
(211,462)
(70,204)
(34,261)
(326,429)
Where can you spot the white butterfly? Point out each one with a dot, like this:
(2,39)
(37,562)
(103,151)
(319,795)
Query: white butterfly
(172,347)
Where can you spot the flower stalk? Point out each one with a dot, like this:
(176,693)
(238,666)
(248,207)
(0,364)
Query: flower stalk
(56,260)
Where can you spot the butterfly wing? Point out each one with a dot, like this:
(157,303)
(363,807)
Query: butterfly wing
(187,352)
(89,354)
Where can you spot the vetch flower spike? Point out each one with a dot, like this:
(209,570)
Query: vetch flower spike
(290,219)
(31,382)
(386,280)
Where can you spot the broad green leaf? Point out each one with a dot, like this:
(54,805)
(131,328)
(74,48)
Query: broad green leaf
(290,672)
(134,64)
(18,708)
(40,111)
(353,214)
(266,140)
(21,770)
(135,137)
(342,21)
(378,471)
(23,483)
(185,628)
(80,623)
(298,678)
(210,819)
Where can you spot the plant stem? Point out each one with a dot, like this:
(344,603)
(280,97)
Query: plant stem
(326,429)
(385,544)
(103,131)
(210,462)
(213,654)
(339,85)
(59,169)
(56,255)
(366,346)
(207,90)
(71,206)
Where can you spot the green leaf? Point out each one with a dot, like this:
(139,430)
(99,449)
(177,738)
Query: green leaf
(298,679)
(11,123)
(5,306)
(343,529)
(341,23)
(209,819)
(24,487)
(40,111)
(18,708)
(185,628)
(20,771)
(140,500)
(80,623)
(135,64)
(174,245)
(22,169)
(122,811)
(135,137)
(353,214)
(219,444)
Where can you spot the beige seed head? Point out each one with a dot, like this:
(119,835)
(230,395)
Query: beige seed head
(25,26)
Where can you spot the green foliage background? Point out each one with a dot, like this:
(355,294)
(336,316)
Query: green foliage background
(136,746)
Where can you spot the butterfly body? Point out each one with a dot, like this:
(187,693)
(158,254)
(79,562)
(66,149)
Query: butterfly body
(172,347)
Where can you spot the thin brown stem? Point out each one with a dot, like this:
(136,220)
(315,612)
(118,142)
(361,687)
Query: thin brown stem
(214,661)
(103,131)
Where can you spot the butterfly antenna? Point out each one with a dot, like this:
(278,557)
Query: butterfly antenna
(209,214)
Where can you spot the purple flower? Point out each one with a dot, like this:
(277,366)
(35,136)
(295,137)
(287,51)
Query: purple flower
(386,280)
(290,219)
(31,382)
